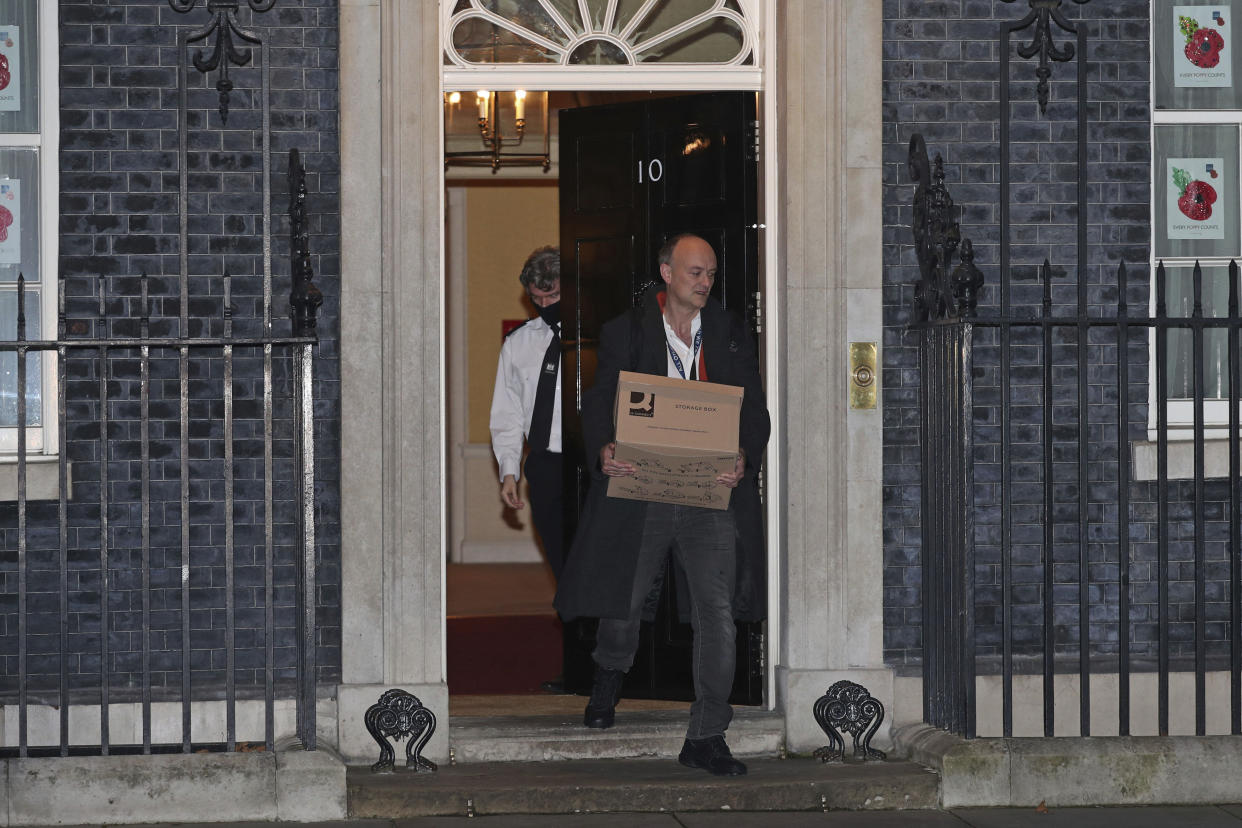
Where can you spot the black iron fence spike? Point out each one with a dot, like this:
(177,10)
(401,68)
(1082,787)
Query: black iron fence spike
(1045,275)
(1233,288)
(1122,303)
(1161,307)
(1197,282)
(21,307)
(61,319)
(304,297)
(144,313)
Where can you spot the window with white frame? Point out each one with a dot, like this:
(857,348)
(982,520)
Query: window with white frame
(28,207)
(1196,90)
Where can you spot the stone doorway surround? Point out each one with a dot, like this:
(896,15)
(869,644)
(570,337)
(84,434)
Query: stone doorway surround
(823,114)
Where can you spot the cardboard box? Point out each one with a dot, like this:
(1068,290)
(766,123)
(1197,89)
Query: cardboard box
(680,434)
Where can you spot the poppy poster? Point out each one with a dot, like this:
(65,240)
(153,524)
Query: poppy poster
(1196,198)
(10,69)
(10,221)
(1202,46)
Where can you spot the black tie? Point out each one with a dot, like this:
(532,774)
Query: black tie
(545,395)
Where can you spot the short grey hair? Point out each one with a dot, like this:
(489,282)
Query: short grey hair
(665,256)
(542,268)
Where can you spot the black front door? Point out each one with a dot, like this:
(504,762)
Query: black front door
(632,175)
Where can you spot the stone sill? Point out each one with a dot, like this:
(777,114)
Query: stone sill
(42,477)
(1182,459)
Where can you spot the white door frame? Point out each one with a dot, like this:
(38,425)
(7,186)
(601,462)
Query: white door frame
(644,78)
(823,274)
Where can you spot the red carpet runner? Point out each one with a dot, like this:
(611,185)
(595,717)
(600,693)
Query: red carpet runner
(502,654)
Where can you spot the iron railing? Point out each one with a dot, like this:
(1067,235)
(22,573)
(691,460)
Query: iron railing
(114,363)
(215,502)
(1033,418)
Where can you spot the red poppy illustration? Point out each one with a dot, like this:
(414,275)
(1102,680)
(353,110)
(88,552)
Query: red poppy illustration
(1195,198)
(6,219)
(5,75)
(1203,45)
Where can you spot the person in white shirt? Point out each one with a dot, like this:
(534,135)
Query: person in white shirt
(526,405)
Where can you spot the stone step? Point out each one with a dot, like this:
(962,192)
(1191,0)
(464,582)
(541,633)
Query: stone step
(638,786)
(650,733)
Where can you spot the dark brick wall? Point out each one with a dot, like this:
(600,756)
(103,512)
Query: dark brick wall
(941,79)
(119,163)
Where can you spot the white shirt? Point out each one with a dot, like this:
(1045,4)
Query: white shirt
(513,400)
(684,352)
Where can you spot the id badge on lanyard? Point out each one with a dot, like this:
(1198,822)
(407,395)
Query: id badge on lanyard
(698,342)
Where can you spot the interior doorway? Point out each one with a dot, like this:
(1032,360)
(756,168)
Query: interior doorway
(503,638)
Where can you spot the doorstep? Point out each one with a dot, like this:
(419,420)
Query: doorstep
(643,733)
(638,786)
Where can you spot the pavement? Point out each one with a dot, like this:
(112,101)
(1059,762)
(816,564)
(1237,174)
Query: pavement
(1225,816)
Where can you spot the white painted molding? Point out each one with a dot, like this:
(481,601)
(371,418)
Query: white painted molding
(456,243)
(602,78)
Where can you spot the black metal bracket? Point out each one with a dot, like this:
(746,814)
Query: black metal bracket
(940,293)
(398,715)
(225,27)
(1043,14)
(848,707)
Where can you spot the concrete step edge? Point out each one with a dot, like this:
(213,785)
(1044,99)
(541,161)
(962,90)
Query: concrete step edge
(658,785)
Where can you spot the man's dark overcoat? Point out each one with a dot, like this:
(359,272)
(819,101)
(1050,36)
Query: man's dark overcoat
(599,574)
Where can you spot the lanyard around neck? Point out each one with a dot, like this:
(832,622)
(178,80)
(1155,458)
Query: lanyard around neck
(698,342)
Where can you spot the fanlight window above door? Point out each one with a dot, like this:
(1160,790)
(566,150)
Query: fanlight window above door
(602,32)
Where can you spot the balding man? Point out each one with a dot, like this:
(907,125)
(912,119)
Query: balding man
(620,550)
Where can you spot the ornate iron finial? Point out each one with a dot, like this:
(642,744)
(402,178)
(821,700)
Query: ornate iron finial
(398,715)
(1043,14)
(939,293)
(304,298)
(224,25)
(848,707)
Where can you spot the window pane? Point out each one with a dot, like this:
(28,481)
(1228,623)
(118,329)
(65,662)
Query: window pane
(712,41)
(19,66)
(1196,187)
(19,215)
(1179,298)
(8,361)
(479,41)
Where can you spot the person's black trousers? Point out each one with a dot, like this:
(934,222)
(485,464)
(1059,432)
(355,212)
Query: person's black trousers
(545,474)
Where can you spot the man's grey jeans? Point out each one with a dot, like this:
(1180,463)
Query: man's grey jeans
(705,543)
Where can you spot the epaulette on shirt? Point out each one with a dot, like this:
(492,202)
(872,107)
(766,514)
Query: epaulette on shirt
(517,328)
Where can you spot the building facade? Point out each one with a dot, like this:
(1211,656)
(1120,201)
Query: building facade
(357,86)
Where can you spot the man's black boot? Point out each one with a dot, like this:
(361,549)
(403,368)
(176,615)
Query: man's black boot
(712,755)
(602,707)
